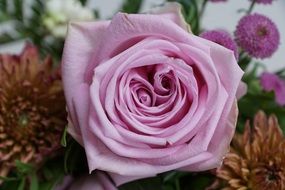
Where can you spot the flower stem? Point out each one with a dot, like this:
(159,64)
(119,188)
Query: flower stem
(280,71)
(251,7)
(203,8)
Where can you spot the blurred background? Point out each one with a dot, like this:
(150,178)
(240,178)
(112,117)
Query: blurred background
(223,15)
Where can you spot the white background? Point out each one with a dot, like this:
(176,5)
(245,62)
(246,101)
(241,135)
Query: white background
(217,15)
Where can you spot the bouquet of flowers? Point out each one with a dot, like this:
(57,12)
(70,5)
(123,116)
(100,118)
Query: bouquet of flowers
(145,100)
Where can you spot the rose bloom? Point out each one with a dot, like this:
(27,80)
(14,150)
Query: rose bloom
(146,96)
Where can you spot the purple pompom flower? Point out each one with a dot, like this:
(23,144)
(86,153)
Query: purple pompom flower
(257,35)
(215,1)
(272,82)
(263,1)
(221,37)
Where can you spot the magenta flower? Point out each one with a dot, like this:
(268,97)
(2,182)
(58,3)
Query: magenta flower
(215,1)
(222,38)
(257,35)
(263,1)
(272,82)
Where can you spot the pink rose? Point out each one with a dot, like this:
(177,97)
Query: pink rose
(145,96)
(97,181)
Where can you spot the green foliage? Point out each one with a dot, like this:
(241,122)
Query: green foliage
(52,173)
(18,9)
(63,138)
(131,6)
(75,160)
(24,168)
(244,61)
(173,180)
(3,10)
(28,177)
(29,27)
(191,13)
(144,184)
(257,99)
(83,2)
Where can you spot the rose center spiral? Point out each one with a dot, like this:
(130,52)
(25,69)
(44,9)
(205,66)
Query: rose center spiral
(144,97)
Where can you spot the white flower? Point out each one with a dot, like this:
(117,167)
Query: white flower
(60,12)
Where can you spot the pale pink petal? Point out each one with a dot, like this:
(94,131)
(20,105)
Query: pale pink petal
(126,30)
(82,40)
(220,144)
(242,90)
(172,11)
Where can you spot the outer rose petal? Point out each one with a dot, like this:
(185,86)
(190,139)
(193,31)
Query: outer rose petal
(173,12)
(82,40)
(220,145)
(126,30)
(242,89)
(228,69)
(225,68)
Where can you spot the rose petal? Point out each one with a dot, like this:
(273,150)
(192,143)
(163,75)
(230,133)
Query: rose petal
(125,30)
(82,39)
(172,11)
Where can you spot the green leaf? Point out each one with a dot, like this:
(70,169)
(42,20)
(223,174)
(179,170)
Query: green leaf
(10,185)
(67,154)
(244,60)
(131,6)
(8,178)
(63,138)
(191,13)
(7,38)
(3,6)
(197,181)
(83,2)
(169,176)
(144,184)
(75,158)
(52,172)
(34,182)
(22,184)
(18,9)
(23,167)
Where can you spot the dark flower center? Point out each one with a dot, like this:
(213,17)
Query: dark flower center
(23,120)
(269,176)
(273,173)
(165,82)
(262,31)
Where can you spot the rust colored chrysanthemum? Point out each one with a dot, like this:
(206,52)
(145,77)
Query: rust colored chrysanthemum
(257,158)
(32,109)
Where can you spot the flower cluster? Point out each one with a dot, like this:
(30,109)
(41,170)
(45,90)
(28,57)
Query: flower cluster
(223,38)
(218,1)
(257,157)
(32,114)
(257,35)
(59,13)
(272,82)
(151,102)
(263,1)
